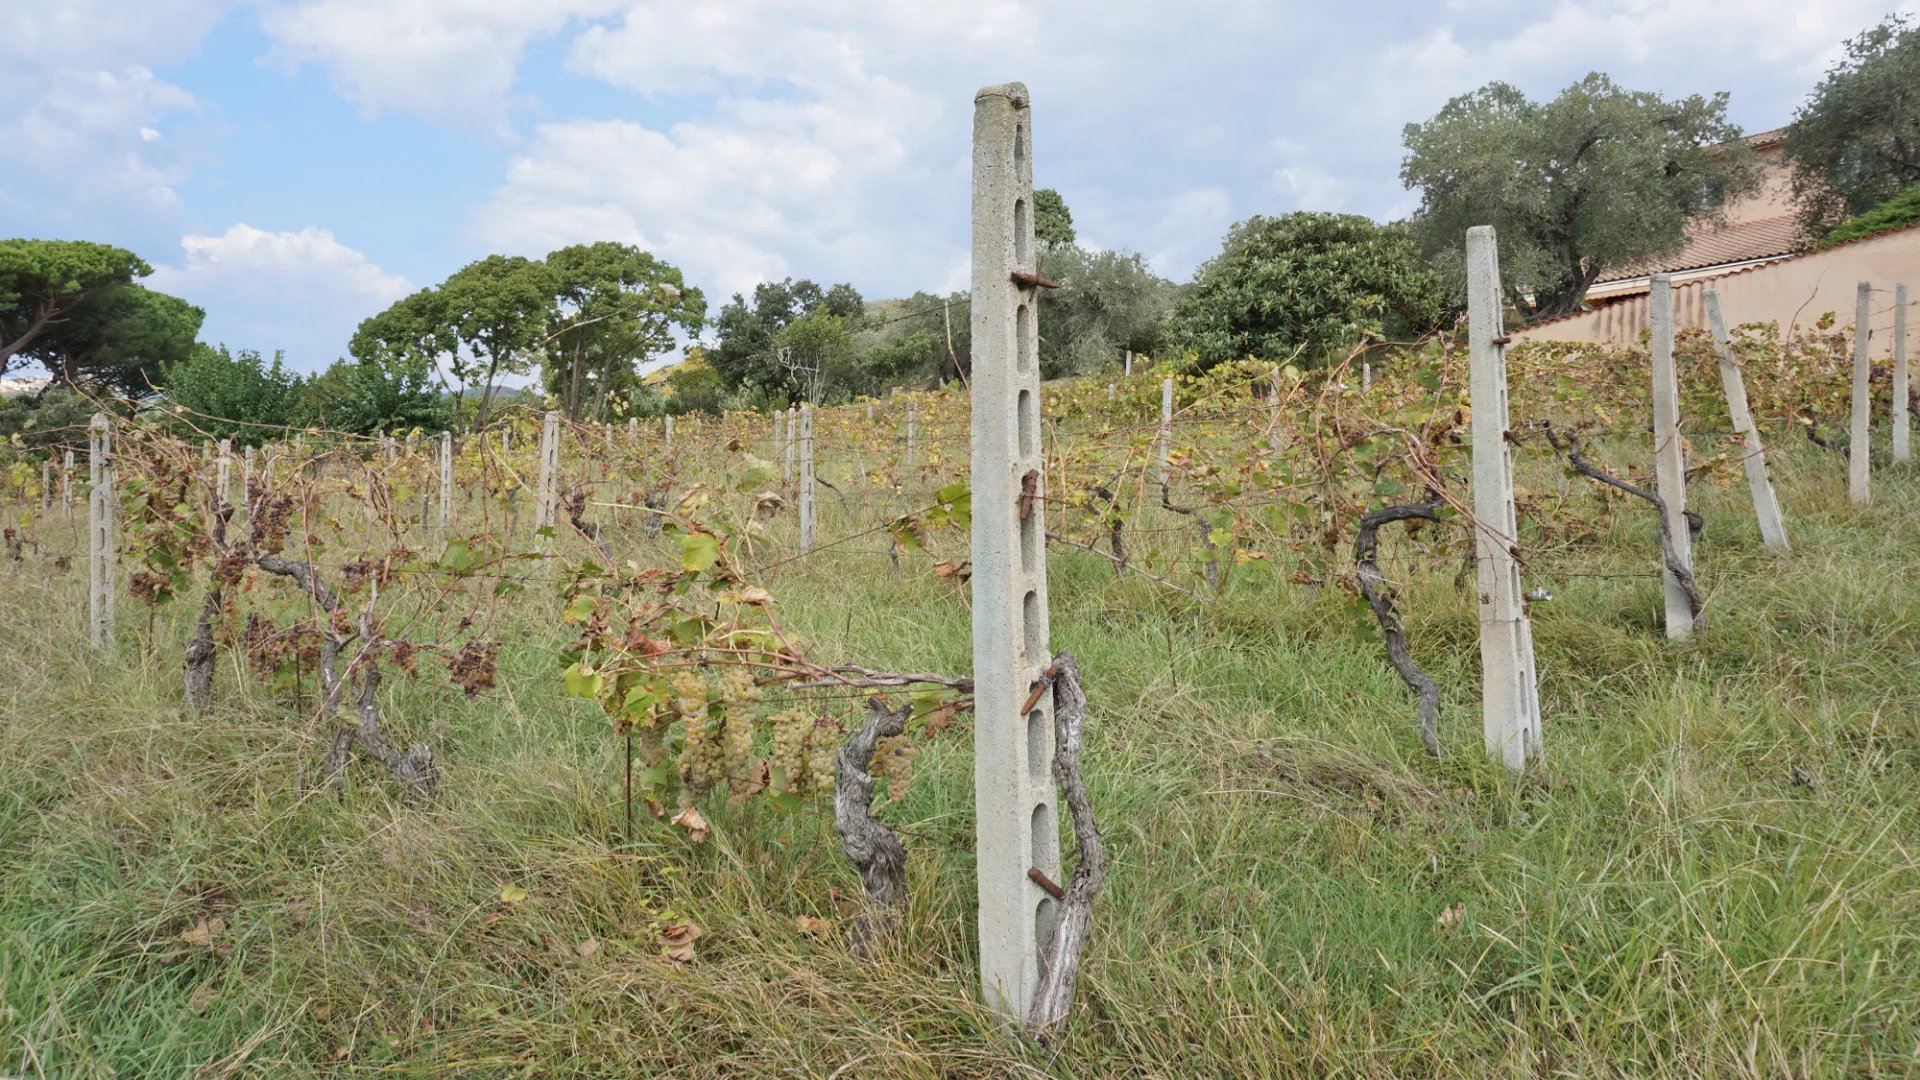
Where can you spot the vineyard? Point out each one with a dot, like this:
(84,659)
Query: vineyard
(516,753)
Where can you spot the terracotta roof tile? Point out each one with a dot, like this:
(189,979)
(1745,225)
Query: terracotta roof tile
(1748,269)
(1766,238)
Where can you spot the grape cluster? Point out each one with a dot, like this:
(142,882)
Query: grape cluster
(893,762)
(792,734)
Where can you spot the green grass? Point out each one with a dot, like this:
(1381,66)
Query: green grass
(1711,874)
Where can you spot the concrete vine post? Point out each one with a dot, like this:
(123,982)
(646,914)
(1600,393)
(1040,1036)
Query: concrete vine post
(1766,508)
(1128,369)
(806,478)
(100,531)
(1161,448)
(1509,691)
(786,468)
(669,432)
(223,473)
(779,430)
(1670,456)
(1860,430)
(1902,436)
(546,499)
(66,484)
(913,424)
(1017,837)
(46,484)
(446,482)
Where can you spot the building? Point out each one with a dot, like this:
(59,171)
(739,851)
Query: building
(1757,261)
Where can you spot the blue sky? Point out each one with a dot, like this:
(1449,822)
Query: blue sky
(295,165)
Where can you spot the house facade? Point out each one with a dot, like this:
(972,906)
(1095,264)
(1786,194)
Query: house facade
(1756,259)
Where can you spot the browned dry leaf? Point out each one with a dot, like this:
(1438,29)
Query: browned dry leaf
(202,997)
(807,924)
(677,940)
(589,948)
(759,775)
(690,820)
(1450,917)
(941,717)
(204,931)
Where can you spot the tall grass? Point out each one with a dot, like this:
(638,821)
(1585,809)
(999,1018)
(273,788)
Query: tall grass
(1712,873)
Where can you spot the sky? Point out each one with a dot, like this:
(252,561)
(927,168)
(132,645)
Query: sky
(293,166)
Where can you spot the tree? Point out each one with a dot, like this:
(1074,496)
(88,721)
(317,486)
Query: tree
(372,397)
(814,349)
(1597,179)
(43,281)
(1052,221)
(499,307)
(236,396)
(125,336)
(617,307)
(1896,213)
(1856,141)
(55,419)
(416,329)
(746,352)
(1313,283)
(1108,302)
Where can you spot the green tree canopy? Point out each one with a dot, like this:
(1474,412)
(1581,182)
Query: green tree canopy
(371,397)
(1855,143)
(42,282)
(1052,221)
(235,395)
(124,336)
(1597,179)
(616,308)
(747,353)
(1312,283)
(500,308)
(1900,211)
(1108,302)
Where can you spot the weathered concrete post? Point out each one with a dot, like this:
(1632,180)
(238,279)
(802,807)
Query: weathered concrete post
(446,482)
(246,473)
(1366,377)
(223,474)
(66,483)
(546,497)
(913,427)
(1128,369)
(1766,508)
(1161,447)
(1860,431)
(806,478)
(1902,437)
(1013,750)
(669,432)
(786,469)
(1669,453)
(100,538)
(779,430)
(1509,693)
(46,484)
(1111,394)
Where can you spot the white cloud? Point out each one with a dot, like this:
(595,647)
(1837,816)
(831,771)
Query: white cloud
(1306,185)
(78,99)
(80,144)
(453,61)
(304,291)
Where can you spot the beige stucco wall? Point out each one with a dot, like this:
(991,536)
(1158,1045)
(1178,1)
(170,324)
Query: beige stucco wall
(1775,195)
(1796,291)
